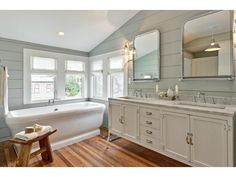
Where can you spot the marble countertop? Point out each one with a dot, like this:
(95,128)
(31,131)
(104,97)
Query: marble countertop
(229,110)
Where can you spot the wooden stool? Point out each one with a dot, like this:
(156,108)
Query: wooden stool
(25,149)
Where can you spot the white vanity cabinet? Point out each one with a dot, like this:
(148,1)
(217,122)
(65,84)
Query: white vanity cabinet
(123,119)
(202,141)
(117,121)
(150,127)
(209,141)
(194,137)
(175,130)
(130,116)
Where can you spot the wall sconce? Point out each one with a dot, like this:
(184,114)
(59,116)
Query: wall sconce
(129,50)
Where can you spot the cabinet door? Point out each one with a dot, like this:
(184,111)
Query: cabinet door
(131,121)
(175,130)
(209,141)
(115,117)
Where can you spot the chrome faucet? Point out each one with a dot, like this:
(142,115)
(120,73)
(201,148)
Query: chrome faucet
(199,94)
(138,92)
(51,101)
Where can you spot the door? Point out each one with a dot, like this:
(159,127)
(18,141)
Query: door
(175,131)
(115,117)
(209,141)
(131,121)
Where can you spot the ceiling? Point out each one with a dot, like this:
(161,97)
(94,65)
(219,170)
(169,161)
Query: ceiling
(84,29)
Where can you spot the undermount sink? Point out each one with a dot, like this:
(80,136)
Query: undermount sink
(207,105)
(132,98)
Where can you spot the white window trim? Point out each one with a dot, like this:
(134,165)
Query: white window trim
(105,58)
(91,75)
(60,72)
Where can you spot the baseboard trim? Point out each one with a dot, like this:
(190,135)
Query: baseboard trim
(63,143)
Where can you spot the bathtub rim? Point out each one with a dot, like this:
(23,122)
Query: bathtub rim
(14,120)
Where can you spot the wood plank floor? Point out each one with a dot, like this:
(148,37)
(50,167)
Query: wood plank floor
(93,153)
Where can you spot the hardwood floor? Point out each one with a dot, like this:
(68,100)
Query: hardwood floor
(93,153)
(3,162)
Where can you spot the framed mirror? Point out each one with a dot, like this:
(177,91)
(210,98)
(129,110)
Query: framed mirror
(146,60)
(207,46)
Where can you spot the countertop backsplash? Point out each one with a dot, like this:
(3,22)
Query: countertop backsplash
(150,93)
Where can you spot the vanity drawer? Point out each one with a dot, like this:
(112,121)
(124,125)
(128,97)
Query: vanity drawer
(148,141)
(149,122)
(150,132)
(152,113)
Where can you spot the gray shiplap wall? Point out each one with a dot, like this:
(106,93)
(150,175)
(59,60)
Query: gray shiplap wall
(11,55)
(170,24)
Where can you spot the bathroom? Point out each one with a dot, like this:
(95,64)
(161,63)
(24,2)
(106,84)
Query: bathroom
(141,90)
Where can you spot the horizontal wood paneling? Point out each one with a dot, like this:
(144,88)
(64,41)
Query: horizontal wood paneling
(170,24)
(11,55)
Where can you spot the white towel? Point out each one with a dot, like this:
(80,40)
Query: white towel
(29,136)
(26,136)
(4,89)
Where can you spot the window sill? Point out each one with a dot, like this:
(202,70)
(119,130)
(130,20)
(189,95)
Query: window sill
(56,101)
(101,99)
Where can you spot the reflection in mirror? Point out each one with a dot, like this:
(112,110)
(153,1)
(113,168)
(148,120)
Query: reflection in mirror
(147,56)
(207,46)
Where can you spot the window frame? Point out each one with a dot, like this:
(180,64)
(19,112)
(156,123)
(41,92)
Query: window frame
(36,73)
(113,71)
(60,73)
(92,83)
(73,72)
(106,72)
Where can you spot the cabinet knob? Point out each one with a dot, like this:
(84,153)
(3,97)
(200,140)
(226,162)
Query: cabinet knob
(148,122)
(149,113)
(148,132)
(148,141)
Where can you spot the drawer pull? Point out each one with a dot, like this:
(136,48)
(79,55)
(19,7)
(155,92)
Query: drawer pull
(148,113)
(191,141)
(148,141)
(187,140)
(148,122)
(148,132)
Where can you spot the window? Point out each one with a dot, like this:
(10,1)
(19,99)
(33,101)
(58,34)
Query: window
(74,79)
(35,88)
(75,66)
(50,75)
(49,87)
(97,79)
(117,84)
(40,84)
(40,63)
(108,76)
(116,77)
(43,74)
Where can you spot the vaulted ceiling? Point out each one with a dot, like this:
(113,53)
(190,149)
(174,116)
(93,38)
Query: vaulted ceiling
(83,29)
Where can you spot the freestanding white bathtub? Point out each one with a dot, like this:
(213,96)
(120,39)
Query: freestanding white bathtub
(74,122)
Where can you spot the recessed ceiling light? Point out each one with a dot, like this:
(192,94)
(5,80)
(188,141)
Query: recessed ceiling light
(61,33)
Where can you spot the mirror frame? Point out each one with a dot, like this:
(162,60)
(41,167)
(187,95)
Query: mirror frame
(232,69)
(158,58)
